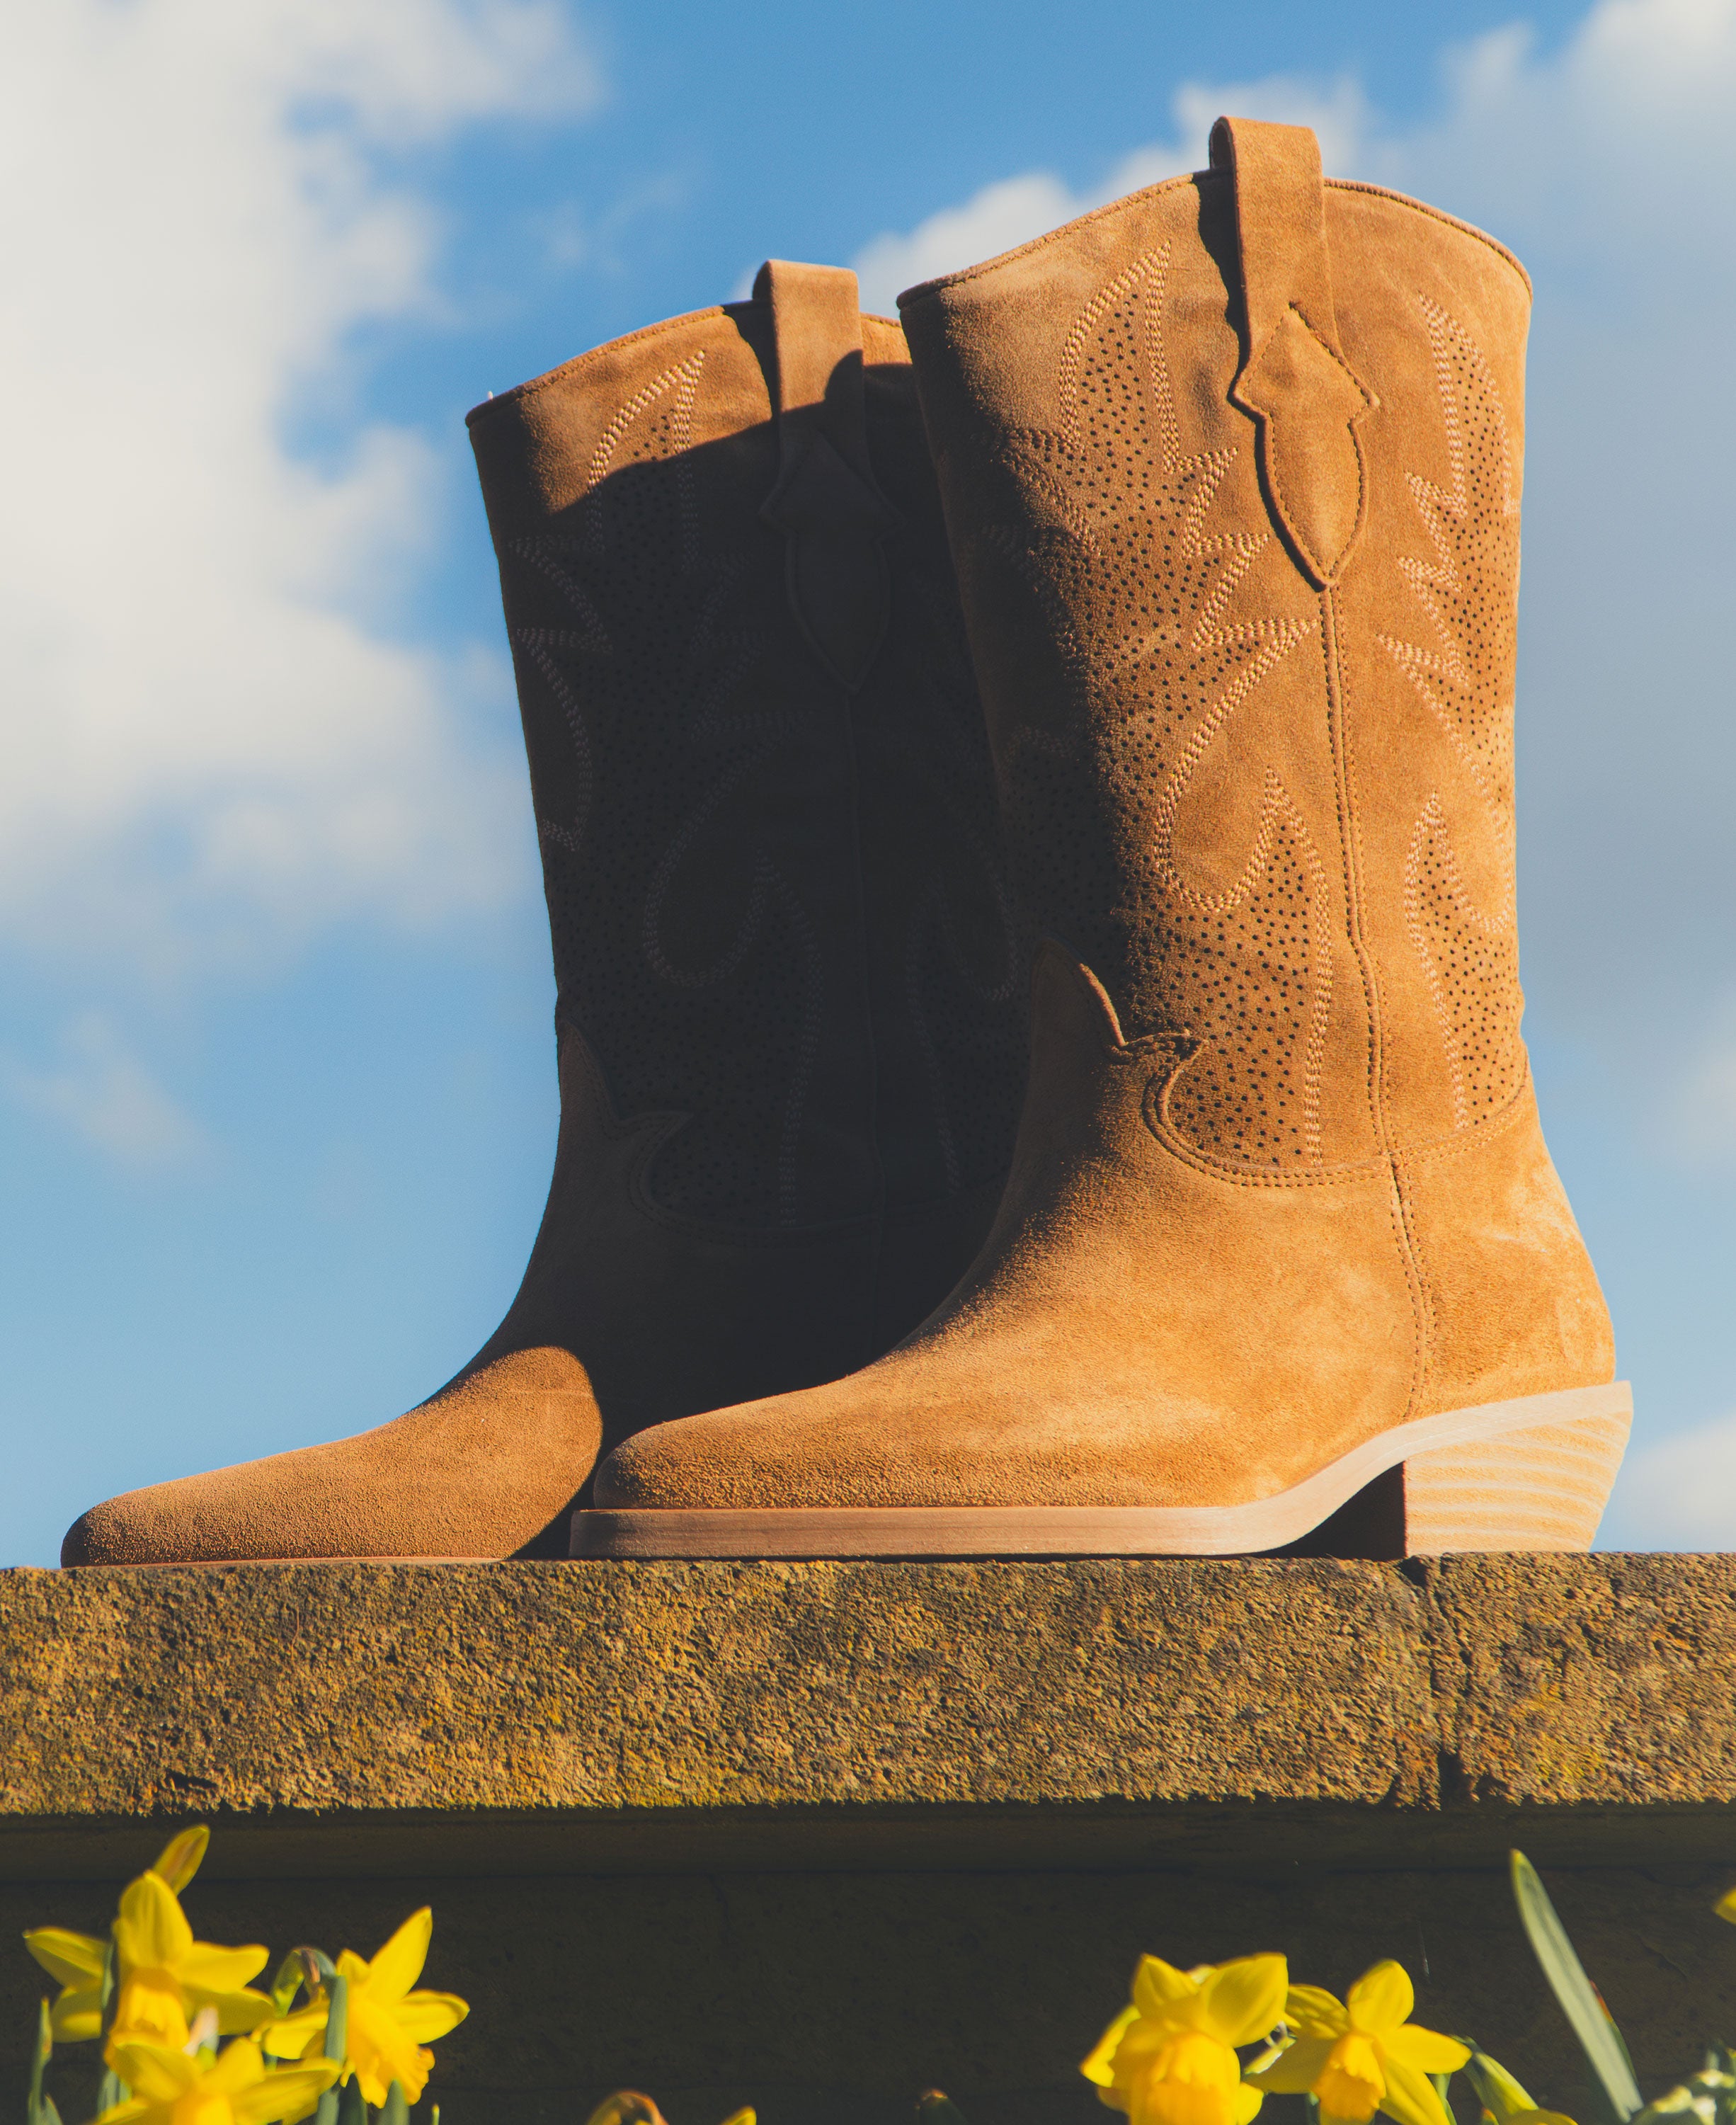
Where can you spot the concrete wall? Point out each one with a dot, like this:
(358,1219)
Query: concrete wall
(818,1837)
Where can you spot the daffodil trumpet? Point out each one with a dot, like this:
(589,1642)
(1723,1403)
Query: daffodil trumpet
(163,1977)
(1364,2053)
(1170,2057)
(237,2087)
(345,2041)
(160,2004)
(388,2026)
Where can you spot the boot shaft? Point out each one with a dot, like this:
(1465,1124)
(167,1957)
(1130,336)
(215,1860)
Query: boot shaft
(1231,474)
(1232,470)
(757,759)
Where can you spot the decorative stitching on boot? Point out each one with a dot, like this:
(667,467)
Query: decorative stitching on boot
(543,553)
(1339,739)
(657,694)
(1404,1240)
(538,644)
(684,379)
(1472,978)
(1300,431)
(1467,591)
(1114,515)
(655,1127)
(1463,678)
(1464,1143)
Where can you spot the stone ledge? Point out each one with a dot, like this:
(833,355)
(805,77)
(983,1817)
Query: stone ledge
(587,1718)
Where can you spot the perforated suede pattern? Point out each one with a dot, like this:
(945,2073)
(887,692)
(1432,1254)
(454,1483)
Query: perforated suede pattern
(777,911)
(1151,582)
(1464,583)
(684,947)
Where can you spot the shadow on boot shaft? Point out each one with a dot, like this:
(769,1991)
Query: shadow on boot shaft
(790,996)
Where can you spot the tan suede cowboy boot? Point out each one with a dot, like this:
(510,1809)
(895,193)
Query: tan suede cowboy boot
(1231,471)
(791,1015)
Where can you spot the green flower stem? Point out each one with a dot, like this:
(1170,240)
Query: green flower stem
(41,2110)
(110,2088)
(337,2039)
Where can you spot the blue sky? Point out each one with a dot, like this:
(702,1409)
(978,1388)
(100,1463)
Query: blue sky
(277,1093)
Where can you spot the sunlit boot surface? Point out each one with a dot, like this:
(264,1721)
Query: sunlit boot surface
(1231,470)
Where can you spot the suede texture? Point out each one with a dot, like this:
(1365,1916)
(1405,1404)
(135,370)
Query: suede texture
(1231,473)
(791,989)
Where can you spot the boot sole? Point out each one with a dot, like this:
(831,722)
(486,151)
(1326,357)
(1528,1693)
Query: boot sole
(235,1563)
(1533,1473)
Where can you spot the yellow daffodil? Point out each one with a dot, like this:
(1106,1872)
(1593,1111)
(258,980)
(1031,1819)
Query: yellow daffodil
(156,2007)
(74,1961)
(299,2035)
(1725,1906)
(166,1976)
(1169,2058)
(1364,2055)
(178,1861)
(171,2088)
(389,2024)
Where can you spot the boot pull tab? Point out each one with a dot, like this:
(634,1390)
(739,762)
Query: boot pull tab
(1305,396)
(825,502)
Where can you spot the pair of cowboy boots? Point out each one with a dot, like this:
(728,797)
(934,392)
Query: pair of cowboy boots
(1271,1254)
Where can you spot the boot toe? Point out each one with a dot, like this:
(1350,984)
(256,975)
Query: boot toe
(697,1463)
(200,1519)
(108,1534)
(488,1467)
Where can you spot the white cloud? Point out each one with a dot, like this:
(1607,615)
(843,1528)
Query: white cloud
(997,219)
(1620,140)
(209,739)
(101,1092)
(1615,149)
(1012,210)
(1680,1493)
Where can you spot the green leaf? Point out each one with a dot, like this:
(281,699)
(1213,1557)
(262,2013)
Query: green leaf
(1588,2017)
(397,2111)
(288,1981)
(40,2057)
(338,2039)
(351,2110)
